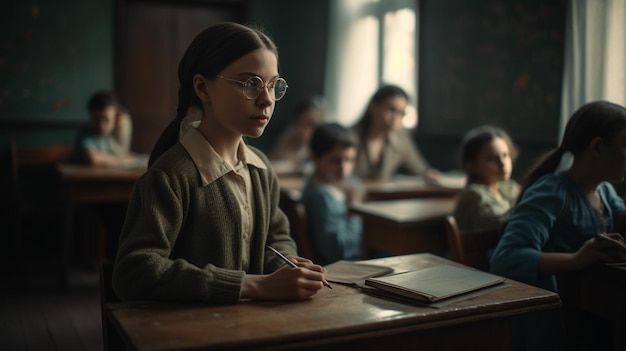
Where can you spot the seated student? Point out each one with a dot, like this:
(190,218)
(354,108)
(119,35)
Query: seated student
(566,205)
(292,149)
(385,148)
(487,155)
(106,140)
(200,219)
(335,233)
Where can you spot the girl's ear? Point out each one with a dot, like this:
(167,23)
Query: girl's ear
(200,87)
(595,145)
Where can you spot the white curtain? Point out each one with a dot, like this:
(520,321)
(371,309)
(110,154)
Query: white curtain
(595,55)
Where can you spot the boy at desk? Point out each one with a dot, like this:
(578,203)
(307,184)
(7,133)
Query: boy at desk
(335,234)
(106,140)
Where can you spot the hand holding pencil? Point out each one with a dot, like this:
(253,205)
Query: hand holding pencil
(291,263)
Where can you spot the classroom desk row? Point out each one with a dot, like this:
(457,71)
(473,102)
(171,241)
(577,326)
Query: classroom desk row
(343,318)
(392,189)
(410,226)
(83,185)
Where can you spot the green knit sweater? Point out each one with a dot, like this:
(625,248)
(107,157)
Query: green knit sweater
(181,241)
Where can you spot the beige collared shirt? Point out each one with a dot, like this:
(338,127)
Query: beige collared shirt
(212,166)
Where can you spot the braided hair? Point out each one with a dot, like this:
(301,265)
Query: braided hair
(209,53)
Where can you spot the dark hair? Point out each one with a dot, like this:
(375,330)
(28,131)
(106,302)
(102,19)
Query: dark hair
(327,135)
(475,139)
(595,119)
(309,103)
(101,100)
(383,93)
(211,51)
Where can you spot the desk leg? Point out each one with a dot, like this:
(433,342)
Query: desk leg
(66,248)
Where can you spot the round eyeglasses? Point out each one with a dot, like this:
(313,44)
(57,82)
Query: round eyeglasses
(254,86)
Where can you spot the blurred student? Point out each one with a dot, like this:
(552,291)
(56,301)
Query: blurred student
(330,190)
(292,149)
(565,214)
(385,148)
(199,220)
(487,156)
(106,140)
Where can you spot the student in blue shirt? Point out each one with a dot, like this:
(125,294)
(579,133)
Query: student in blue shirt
(106,140)
(335,233)
(566,203)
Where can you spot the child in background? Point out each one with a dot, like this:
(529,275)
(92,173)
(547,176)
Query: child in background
(291,152)
(566,203)
(106,140)
(487,155)
(335,234)
(200,218)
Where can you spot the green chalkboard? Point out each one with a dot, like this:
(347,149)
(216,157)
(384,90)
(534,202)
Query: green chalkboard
(53,55)
(487,61)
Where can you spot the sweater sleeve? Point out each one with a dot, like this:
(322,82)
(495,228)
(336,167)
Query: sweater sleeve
(519,251)
(143,267)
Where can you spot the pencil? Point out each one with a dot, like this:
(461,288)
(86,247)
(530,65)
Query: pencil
(289,262)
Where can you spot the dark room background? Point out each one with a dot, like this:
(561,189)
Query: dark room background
(481,61)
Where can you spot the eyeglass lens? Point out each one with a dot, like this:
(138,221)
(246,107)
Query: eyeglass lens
(253,87)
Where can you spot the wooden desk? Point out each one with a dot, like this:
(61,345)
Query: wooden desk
(599,290)
(378,190)
(410,188)
(90,185)
(337,319)
(399,227)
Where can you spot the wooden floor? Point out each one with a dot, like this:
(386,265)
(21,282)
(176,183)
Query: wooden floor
(35,316)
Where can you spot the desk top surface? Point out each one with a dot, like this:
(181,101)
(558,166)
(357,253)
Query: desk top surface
(400,188)
(343,312)
(80,173)
(407,211)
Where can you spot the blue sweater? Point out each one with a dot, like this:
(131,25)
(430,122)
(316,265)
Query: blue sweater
(553,215)
(335,234)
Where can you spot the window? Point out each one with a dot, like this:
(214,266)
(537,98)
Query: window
(373,42)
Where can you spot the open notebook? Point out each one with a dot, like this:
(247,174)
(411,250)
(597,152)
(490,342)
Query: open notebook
(434,283)
(354,273)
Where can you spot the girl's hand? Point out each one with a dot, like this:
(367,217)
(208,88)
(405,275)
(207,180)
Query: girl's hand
(286,283)
(602,248)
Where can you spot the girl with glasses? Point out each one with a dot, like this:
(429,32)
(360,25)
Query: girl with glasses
(200,219)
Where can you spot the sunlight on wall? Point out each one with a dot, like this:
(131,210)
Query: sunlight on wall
(360,28)
(357,78)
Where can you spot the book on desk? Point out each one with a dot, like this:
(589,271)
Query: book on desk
(433,284)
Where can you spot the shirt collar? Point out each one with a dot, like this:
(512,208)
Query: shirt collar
(209,163)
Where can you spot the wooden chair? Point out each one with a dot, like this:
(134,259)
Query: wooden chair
(296,214)
(111,338)
(470,248)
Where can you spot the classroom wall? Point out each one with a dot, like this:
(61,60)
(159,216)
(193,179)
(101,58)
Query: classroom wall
(53,55)
(490,62)
(482,61)
(299,29)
